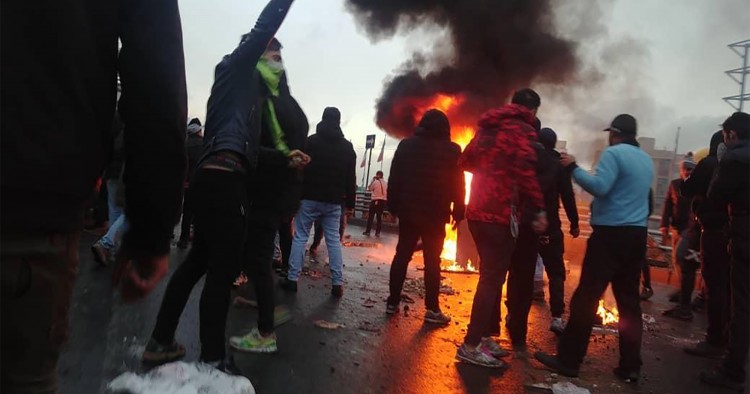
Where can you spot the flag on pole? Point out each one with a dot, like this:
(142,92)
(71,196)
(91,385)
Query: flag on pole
(382,150)
(364,160)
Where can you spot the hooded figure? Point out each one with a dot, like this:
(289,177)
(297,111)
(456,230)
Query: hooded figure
(425,182)
(696,187)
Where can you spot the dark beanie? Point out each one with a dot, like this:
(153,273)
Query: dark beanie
(436,121)
(548,138)
(332,114)
(716,140)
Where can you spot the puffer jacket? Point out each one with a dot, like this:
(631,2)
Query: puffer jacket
(502,159)
(425,178)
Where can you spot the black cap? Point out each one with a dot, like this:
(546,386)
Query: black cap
(623,124)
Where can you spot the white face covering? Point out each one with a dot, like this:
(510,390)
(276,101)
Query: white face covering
(275,65)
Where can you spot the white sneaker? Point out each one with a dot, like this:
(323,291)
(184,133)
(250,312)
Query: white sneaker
(557,326)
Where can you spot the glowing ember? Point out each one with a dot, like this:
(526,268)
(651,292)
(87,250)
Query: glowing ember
(455,267)
(609,317)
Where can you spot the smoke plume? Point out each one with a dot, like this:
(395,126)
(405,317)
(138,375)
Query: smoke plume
(487,49)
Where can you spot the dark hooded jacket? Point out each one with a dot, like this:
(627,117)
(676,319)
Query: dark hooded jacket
(710,215)
(274,186)
(555,183)
(731,188)
(425,178)
(331,175)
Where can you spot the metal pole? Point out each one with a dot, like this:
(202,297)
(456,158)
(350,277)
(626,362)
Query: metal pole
(364,185)
(369,161)
(744,76)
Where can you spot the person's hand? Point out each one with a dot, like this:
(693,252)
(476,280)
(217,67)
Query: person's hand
(664,236)
(137,277)
(539,225)
(566,159)
(575,232)
(298,159)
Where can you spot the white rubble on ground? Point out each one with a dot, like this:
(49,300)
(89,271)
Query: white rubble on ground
(568,388)
(181,378)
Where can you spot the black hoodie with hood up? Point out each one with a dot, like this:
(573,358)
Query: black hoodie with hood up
(425,178)
(696,187)
(331,175)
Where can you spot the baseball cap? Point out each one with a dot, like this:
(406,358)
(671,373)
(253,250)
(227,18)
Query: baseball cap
(623,124)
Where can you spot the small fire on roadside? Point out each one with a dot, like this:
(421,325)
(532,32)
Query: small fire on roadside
(610,317)
(461,134)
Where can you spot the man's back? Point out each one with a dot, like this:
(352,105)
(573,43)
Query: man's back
(330,176)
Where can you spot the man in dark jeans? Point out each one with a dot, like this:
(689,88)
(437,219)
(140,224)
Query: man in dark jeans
(194,150)
(58,91)
(379,194)
(233,127)
(676,219)
(425,183)
(502,159)
(716,260)
(614,253)
(731,188)
(552,245)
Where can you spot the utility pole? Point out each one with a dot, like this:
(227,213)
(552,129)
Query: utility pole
(739,75)
(369,161)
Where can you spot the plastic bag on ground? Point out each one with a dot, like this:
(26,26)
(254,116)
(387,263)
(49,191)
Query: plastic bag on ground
(181,378)
(568,388)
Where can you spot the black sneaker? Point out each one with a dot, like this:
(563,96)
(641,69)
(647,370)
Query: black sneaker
(719,378)
(366,233)
(647,293)
(698,304)
(679,313)
(626,375)
(391,309)
(156,353)
(288,285)
(705,349)
(552,362)
(337,291)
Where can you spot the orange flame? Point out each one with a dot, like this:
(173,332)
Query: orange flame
(609,317)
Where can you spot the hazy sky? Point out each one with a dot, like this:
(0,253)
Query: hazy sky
(664,60)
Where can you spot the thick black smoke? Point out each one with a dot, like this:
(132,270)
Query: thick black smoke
(497,47)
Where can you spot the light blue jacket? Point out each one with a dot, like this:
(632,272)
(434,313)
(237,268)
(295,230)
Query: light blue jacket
(620,186)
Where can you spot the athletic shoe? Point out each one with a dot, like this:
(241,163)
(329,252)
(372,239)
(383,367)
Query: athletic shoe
(719,378)
(494,348)
(705,349)
(647,293)
(254,342)
(288,285)
(557,326)
(102,254)
(366,233)
(478,356)
(436,317)
(391,309)
(337,291)
(679,313)
(626,375)
(553,363)
(156,353)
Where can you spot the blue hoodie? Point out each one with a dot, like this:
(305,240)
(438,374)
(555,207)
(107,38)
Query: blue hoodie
(620,186)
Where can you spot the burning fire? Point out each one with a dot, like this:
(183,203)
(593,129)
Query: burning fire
(609,317)
(461,135)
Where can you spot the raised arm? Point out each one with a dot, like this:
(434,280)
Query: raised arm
(247,54)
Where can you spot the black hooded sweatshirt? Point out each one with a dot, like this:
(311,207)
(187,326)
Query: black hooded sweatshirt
(331,175)
(555,183)
(710,214)
(425,178)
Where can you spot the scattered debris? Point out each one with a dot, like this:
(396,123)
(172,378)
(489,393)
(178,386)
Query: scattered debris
(328,325)
(368,327)
(405,298)
(360,244)
(539,386)
(369,303)
(568,388)
(181,377)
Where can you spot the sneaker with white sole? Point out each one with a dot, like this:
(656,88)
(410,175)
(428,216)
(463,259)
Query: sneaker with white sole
(494,348)
(478,356)
(436,317)
(254,342)
(557,326)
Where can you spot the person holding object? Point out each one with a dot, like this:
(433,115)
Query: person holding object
(379,191)
(219,191)
(614,253)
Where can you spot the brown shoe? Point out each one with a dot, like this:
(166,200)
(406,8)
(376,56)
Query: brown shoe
(102,255)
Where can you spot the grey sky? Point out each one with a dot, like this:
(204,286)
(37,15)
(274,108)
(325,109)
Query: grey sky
(665,60)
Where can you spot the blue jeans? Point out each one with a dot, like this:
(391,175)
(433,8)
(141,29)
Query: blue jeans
(330,216)
(114,210)
(114,234)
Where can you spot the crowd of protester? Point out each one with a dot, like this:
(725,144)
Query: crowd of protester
(252,181)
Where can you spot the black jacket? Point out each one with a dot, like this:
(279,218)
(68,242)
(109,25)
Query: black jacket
(58,89)
(194,148)
(556,185)
(731,187)
(331,175)
(117,161)
(676,210)
(233,118)
(274,186)
(709,214)
(425,178)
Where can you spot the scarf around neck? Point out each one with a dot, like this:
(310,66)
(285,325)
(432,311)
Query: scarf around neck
(272,77)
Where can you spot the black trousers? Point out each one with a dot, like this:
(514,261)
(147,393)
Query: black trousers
(613,255)
(286,235)
(218,247)
(552,255)
(521,284)
(716,275)
(734,364)
(262,226)
(495,245)
(187,216)
(646,269)
(432,233)
(376,211)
